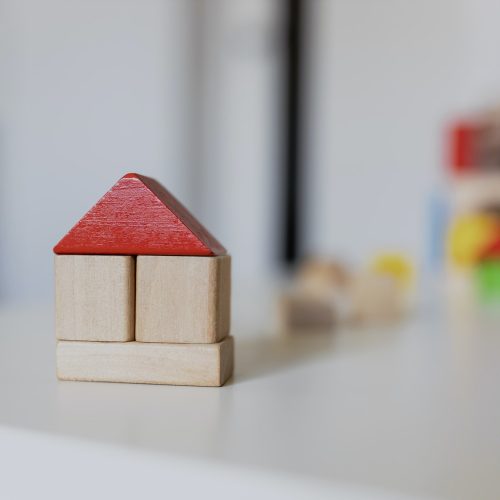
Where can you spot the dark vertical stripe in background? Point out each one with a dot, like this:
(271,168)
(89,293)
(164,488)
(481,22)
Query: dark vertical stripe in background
(292,167)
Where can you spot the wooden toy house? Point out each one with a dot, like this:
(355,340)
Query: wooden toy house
(142,293)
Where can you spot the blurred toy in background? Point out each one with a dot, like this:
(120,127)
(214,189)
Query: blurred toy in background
(325,293)
(396,265)
(487,273)
(382,293)
(376,298)
(315,299)
(473,235)
(468,236)
(300,312)
(319,276)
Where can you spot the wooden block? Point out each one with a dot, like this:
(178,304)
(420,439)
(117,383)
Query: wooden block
(95,297)
(376,298)
(183,299)
(306,313)
(321,276)
(138,216)
(146,363)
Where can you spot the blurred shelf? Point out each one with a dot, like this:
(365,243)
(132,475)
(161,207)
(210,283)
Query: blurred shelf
(409,411)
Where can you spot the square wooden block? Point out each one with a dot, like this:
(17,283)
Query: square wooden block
(95,297)
(183,299)
(146,363)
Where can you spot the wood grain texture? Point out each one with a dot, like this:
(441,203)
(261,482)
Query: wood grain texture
(138,216)
(95,297)
(146,363)
(183,299)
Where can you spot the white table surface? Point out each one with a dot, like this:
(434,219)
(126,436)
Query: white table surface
(410,411)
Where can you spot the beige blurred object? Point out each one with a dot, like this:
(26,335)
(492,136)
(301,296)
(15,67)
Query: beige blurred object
(321,276)
(326,293)
(376,298)
(316,299)
(476,191)
(302,312)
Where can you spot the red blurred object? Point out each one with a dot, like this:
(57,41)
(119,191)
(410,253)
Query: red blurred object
(138,216)
(462,145)
(491,251)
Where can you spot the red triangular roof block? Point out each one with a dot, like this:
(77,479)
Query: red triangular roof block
(138,216)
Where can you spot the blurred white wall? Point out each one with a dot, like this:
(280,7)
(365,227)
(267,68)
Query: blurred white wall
(384,78)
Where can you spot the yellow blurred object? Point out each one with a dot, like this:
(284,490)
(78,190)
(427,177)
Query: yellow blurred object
(468,236)
(395,265)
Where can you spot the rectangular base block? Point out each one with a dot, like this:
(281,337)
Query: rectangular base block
(146,363)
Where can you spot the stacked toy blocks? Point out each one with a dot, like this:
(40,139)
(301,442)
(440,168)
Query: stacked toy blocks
(142,293)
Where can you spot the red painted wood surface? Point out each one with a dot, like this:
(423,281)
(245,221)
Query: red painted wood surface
(462,145)
(138,216)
